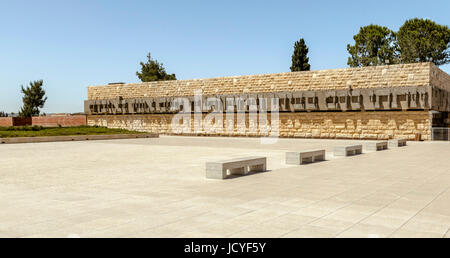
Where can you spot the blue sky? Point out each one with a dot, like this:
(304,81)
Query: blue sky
(73,44)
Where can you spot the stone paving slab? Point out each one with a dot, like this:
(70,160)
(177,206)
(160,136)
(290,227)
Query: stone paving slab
(156,188)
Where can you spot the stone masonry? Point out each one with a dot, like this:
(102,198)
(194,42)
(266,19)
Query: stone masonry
(349,125)
(381,102)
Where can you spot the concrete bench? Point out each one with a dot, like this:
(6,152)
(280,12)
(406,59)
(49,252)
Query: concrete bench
(300,158)
(348,150)
(376,146)
(397,143)
(239,166)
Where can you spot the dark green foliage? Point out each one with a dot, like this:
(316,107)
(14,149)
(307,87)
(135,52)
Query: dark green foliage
(3,114)
(373,46)
(22,128)
(300,60)
(153,71)
(33,99)
(422,40)
(418,40)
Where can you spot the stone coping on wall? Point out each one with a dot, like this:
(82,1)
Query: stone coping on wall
(75,138)
(404,75)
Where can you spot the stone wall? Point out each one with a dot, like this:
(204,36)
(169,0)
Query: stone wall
(439,78)
(405,75)
(378,102)
(330,125)
(420,86)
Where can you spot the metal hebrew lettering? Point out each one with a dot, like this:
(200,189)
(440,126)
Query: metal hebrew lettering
(263,103)
(446,101)
(422,98)
(369,100)
(343,100)
(356,99)
(229,106)
(283,105)
(300,104)
(400,99)
(383,99)
(413,100)
(241,103)
(311,100)
(331,100)
(337,100)
(321,100)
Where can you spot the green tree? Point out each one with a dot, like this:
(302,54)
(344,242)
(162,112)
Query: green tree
(422,40)
(300,60)
(152,70)
(34,98)
(374,45)
(3,114)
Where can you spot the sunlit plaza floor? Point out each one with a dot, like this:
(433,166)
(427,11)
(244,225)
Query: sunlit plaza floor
(157,188)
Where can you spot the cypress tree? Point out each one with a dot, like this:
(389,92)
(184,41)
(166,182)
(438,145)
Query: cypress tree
(300,60)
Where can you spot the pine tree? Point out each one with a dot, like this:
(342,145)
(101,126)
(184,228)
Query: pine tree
(374,45)
(300,60)
(152,70)
(422,40)
(34,98)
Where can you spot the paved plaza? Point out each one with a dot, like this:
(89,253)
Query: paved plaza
(157,188)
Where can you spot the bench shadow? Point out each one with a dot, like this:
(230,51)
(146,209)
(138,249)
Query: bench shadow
(312,163)
(249,174)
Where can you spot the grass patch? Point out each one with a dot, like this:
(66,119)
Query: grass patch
(37,131)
